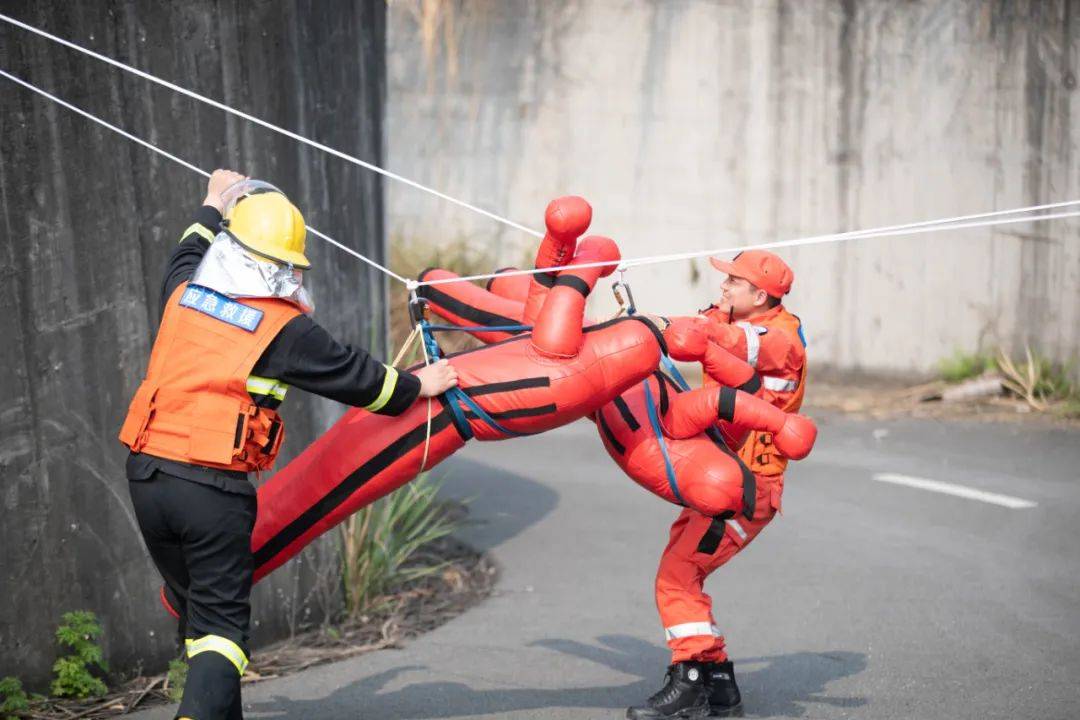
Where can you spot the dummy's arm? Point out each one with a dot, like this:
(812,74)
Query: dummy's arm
(689,340)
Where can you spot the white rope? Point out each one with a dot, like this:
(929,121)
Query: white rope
(268,125)
(954,223)
(915,228)
(427,434)
(405,348)
(99,121)
(418,334)
(179,161)
(888,231)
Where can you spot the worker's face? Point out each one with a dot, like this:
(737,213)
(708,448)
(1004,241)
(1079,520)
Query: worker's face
(741,298)
(286,270)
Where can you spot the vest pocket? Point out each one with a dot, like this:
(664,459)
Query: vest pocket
(141,409)
(213,437)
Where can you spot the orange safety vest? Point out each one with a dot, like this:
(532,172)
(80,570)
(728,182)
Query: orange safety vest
(194,406)
(758,451)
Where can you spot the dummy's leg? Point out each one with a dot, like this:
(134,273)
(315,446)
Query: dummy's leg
(693,412)
(511,287)
(464,304)
(566,218)
(558,328)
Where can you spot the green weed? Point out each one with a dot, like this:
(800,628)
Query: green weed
(962,366)
(13,698)
(176,677)
(79,631)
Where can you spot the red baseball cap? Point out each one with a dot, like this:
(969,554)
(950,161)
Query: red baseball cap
(761,267)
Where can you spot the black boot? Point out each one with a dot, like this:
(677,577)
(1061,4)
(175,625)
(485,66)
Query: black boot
(683,696)
(724,698)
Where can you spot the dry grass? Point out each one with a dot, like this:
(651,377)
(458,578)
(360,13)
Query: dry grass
(1023,379)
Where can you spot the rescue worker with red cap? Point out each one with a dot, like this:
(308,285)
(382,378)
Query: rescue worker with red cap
(750,322)
(235,333)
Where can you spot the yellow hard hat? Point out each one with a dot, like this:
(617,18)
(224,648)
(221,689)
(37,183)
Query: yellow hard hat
(268,224)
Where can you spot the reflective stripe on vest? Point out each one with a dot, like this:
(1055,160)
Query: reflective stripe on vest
(734,525)
(753,342)
(779,384)
(389,383)
(691,629)
(221,646)
(267,386)
(758,452)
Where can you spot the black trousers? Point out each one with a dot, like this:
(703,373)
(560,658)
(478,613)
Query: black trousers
(199,537)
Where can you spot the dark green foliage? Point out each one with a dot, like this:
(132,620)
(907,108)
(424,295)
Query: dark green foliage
(79,632)
(12,698)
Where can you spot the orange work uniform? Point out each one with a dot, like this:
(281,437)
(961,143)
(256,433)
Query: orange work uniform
(771,342)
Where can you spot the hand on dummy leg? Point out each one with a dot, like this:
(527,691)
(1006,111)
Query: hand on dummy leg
(687,338)
(437,378)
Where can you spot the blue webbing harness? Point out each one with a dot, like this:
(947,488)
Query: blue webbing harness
(455,396)
(650,405)
(654,421)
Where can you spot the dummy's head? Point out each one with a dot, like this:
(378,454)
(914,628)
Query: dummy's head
(756,281)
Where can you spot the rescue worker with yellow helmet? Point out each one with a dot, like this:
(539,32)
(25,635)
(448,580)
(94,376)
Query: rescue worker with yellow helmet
(235,334)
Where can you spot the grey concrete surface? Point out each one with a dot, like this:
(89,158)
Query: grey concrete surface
(865,600)
(87,220)
(693,124)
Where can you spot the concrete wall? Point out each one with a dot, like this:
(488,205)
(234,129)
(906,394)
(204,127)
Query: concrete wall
(692,124)
(88,221)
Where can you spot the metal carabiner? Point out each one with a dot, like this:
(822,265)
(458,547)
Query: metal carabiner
(417,306)
(617,289)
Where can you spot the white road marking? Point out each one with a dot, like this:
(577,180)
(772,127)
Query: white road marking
(963,491)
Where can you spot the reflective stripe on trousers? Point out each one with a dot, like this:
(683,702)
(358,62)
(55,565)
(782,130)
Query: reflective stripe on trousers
(220,645)
(691,629)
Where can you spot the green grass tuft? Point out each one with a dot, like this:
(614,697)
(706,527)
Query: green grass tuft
(962,366)
(381,543)
(13,698)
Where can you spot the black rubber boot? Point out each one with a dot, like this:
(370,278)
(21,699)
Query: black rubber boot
(683,696)
(212,689)
(724,698)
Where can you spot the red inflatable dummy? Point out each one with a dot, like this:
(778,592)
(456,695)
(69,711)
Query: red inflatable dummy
(530,383)
(512,287)
(705,473)
(652,418)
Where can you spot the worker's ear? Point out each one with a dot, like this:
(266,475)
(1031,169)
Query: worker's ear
(761,298)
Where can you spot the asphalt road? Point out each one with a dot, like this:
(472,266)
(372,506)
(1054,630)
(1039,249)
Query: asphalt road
(867,599)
